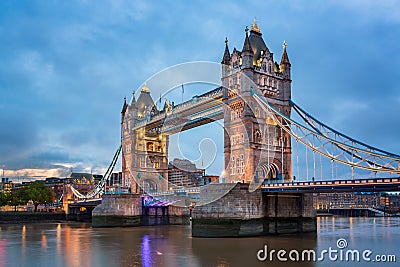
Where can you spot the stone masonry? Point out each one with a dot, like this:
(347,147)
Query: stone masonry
(244,213)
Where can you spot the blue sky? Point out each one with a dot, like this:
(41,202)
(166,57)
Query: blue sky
(65,67)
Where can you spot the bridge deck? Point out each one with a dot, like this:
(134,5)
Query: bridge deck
(360,185)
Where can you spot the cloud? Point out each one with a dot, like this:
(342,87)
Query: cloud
(66,67)
(342,108)
(388,10)
(36,67)
(18,135)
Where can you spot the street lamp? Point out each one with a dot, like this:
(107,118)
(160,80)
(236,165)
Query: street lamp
(191,207)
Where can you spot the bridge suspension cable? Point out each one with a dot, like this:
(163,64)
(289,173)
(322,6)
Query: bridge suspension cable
(331,143)
(331,133)
(99,187)
(327,131)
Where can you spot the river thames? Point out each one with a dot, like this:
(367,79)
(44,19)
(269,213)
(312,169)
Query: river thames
(76,244)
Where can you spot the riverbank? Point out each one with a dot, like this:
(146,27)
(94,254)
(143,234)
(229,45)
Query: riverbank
(11,217)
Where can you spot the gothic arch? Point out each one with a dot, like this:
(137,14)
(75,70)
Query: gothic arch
(267,171)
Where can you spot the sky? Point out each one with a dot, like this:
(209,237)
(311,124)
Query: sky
(65,67)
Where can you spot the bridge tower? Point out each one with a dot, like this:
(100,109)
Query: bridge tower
(144,151)
(254,146)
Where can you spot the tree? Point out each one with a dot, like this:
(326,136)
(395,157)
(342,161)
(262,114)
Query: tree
(15,199)
(3,199)
(38,193)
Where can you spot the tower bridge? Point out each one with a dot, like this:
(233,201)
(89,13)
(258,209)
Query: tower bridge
(145,129)
(261,140)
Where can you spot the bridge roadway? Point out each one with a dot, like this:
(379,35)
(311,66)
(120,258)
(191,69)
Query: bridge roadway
(357,185)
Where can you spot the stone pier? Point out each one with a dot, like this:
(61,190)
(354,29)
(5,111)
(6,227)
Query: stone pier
(243,213)
(118,210)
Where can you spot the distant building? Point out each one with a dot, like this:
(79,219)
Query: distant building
(97,177)
(182,172)
(115,179)
(6,186)
(56,185)
(390,202)
(81,178)
(326,201)
(82,182)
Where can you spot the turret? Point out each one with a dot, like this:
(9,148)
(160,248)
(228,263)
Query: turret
(133,107)
(226,64)
(285,65)
(227,56)
(145,104)
(284,68)
(247,52)
(124,107)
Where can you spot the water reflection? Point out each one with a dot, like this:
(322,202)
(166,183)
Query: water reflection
(23,241)
(146,251)
(3,255)
(58,239)
(44,243)
(81,245)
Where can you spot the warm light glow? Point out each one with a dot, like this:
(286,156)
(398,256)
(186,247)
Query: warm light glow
(255,26)
(271,121)
(145,88)
(23,238)
(44,243)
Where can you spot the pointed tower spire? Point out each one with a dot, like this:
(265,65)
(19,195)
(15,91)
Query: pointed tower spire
(227,56)
(284,66)
(285,58)
(133,102)
(246,45)
(247,52)
(124,107)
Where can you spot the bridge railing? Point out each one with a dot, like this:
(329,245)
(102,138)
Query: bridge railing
(334,182)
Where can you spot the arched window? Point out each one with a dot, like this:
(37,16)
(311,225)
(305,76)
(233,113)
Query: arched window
(257,136)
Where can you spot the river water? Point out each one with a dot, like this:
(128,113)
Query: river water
(75,244)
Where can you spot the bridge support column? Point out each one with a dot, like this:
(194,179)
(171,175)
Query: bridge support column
(244,213)
(128,210)
(118,210)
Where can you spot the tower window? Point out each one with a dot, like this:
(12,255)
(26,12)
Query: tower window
(150,146)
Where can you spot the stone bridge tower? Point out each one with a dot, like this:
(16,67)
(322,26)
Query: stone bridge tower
(254,145)
(144,151)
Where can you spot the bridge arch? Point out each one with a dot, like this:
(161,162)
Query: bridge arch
(267,171)
(149,185)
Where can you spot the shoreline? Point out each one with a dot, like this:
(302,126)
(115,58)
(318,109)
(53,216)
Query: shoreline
(18,217)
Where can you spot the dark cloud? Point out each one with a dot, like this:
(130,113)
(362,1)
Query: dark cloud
(66,67)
